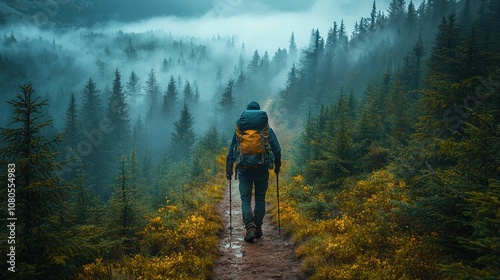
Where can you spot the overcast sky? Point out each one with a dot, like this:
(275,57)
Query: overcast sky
(264,25)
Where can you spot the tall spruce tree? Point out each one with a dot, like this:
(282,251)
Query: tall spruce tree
(94,128)
(253,65)
(118,115)
(183,138)
(292,49)
(133,85)
(337,157)
(124,210)
(129,51)
(152,94)
(170,98)
(72,135)
(188,95)
(226,108)
(292,96)
(40,201)
(396,12)
(71,128)
(91,112)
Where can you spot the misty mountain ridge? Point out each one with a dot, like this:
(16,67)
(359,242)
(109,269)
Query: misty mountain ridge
(71,55)
(90,12)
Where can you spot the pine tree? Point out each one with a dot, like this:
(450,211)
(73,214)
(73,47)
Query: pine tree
(399,111)
(303,150)
(371,128)
(227,105)
(443,57)
(312,57)
(170,97)
(411,19)
(227,101)
(124,210)
(253,65)
(183,138)
(292,96)
(264,66)
(40,199)
(82,198)
(196,96)
(138,133)
(337,158)
(292,49)
(396,12)
(332,39)
(152,94)
(133,85)
(204,151)
(471,60)
(465,18)
(129,51)
(164,65)
(72,136)
(118,115)
(94,128)
(71,128)
(343,38)
(279,61)
(188,95)
(102,66)
(373,16)
(91,111)
(485,240)
(418,53)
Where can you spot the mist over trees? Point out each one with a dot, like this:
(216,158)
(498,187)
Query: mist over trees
(390,132)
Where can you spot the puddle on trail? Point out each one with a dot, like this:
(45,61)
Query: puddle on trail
(235,212)
(236,248)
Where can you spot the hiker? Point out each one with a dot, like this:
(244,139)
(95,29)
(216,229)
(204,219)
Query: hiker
(255,149)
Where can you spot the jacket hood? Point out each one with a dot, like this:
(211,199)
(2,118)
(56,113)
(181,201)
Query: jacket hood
(253,106)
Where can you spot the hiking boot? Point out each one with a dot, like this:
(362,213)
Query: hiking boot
(250,235)
(258,232)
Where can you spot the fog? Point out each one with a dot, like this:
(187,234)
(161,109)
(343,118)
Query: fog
(206,46)
(235,46)
(265,25)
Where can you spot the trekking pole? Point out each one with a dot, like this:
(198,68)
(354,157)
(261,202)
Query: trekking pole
(278,196)
(230,211)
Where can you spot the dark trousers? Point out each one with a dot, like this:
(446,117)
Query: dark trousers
(259,184)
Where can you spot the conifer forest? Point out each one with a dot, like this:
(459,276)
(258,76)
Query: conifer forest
(114,139)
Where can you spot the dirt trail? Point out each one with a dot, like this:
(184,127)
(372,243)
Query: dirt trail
(270,257)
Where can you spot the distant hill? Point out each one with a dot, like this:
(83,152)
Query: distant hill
(89,12)
(10,14)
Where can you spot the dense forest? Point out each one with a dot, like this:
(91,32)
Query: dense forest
(116,144)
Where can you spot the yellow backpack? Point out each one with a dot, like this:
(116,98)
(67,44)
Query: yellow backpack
(252,133)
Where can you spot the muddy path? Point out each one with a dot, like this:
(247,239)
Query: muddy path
(270,257)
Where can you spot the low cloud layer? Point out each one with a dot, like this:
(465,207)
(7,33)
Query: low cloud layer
(263,25)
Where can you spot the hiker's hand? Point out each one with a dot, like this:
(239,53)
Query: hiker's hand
(229,169)
(229,173)
(277,169)
(277,166)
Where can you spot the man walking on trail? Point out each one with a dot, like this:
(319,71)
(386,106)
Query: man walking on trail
(255,149)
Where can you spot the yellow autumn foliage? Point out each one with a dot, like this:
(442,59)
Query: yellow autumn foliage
(368,240)
(176,243)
